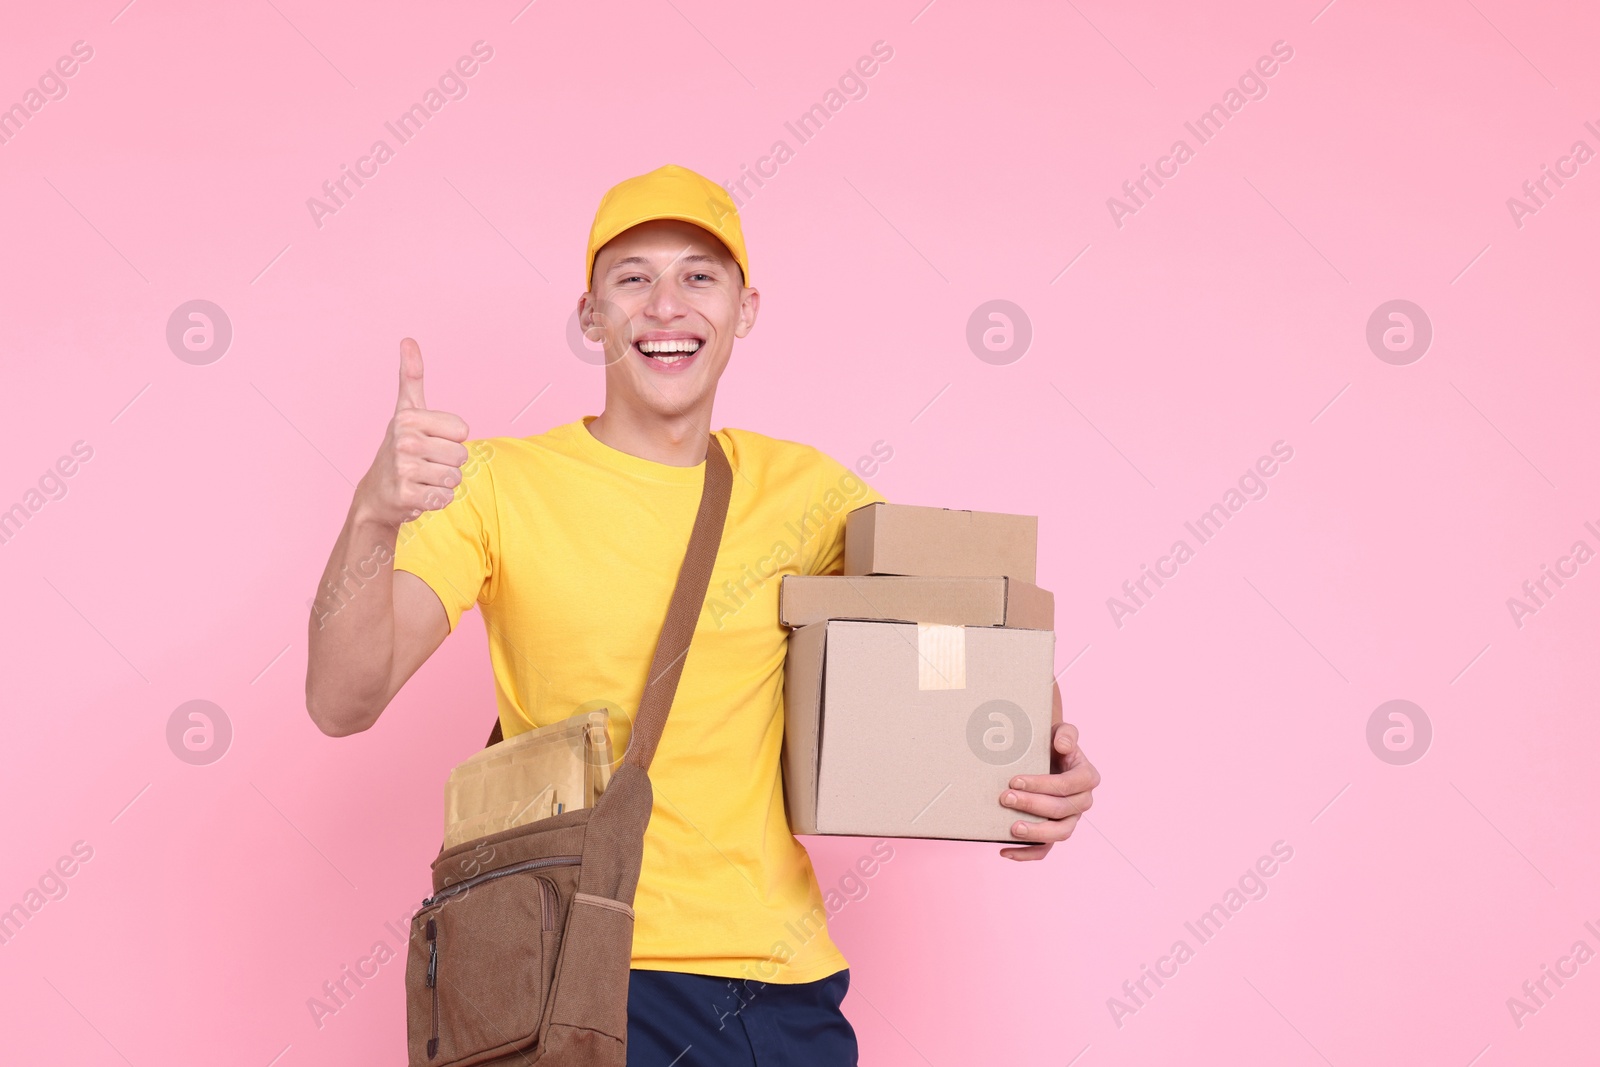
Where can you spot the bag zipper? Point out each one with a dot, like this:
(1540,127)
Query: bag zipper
(516,868)
(547,896)
(433,984)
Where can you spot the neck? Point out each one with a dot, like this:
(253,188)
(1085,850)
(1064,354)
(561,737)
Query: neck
(678,440)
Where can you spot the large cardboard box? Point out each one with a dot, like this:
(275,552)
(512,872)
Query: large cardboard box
(904,539)
(804,599)
(902,730)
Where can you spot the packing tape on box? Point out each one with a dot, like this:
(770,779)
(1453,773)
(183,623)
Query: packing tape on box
(941,656)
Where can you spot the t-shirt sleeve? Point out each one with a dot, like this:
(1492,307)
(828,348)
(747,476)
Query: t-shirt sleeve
(836,492)
(456,548)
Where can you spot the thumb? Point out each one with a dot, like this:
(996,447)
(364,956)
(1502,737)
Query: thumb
(410,376)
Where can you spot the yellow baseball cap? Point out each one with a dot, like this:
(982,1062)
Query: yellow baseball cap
(668,192)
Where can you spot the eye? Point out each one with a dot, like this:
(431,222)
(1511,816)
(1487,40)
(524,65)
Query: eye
(629,278)
(703,274)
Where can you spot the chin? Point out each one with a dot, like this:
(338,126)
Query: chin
(670,394)
(669,402)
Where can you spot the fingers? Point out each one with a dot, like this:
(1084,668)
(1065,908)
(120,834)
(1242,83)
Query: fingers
(1079,779)
(1048,805)
(423,485)
(1071,771)
(437,449)
(437,435)
(410,376)
(441,424)
(1027,852)
(436,475)
(1042,832)
(420,463)
(1065,738)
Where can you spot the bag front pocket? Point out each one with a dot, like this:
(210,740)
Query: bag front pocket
(596,952)
(481,959)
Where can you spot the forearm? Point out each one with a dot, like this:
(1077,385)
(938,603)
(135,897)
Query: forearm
(351,638)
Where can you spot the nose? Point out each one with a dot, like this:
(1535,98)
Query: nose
(665,302)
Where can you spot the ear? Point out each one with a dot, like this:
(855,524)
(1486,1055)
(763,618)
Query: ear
(586,308)
(749,307)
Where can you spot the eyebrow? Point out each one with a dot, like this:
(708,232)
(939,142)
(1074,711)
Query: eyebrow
(641,261)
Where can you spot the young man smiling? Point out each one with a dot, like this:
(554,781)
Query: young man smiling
(569,542)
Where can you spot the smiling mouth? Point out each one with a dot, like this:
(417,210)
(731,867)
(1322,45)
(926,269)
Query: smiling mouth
(674,353)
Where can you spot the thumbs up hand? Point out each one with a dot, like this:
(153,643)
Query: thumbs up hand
(419,464)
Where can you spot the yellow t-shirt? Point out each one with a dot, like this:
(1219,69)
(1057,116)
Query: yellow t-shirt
(571,549)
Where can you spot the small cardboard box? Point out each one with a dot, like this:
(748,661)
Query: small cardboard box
(803,600)
(901,730)
(904,539)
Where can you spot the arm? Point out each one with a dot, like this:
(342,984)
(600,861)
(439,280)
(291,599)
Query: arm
(369,632)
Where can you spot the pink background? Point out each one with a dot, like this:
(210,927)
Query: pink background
(1228,313)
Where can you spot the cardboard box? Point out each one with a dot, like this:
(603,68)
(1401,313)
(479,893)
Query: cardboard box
(902,539)
(901,730)
(803,600)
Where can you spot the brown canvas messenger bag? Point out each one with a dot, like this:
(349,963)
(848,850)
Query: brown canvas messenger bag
(521,955)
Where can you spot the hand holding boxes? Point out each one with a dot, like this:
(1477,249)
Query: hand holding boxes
(919,682)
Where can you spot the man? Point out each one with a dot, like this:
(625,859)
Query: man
(569,542)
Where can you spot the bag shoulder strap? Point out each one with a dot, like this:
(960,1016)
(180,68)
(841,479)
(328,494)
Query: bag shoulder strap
(683,610)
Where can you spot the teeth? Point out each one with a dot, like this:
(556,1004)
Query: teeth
(654,347)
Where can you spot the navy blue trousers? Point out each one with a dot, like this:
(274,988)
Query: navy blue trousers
(698,1020)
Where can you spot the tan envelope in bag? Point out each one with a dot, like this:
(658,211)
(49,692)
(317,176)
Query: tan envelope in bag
(526,778)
